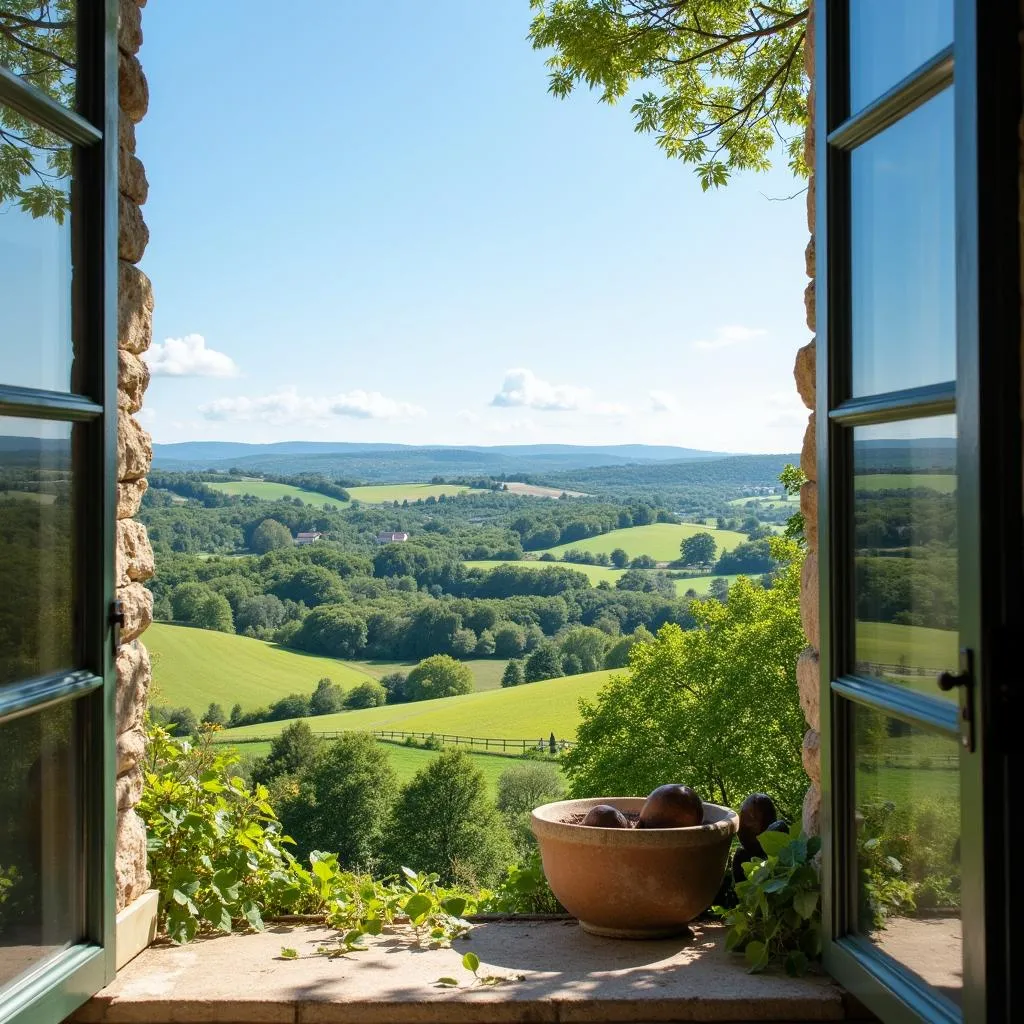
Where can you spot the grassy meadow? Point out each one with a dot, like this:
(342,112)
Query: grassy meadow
(659,540)
(944,483)
(387,493)
(192,667)
(519,712)
(269,491)
(597,573)
(889,644)
(384,494)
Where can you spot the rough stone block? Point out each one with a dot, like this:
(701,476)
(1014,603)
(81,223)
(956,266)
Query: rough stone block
(133,559)
(129,27)
(810,257)
(132,381)
(811,755)
(137,603)
(134,448)
(134,308)
(129,497)
(131,879)
(129,788)
(132,233)
(809,301)
(811,818)
(134,674)
(809,507)
(125,135)
(804,372)
(812,203)
(808,683)
(809,451)
(131,748)
(132,180)
(809,612)
(132,89)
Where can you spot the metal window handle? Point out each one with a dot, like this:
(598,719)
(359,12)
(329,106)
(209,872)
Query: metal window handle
(963,680)
(951,680)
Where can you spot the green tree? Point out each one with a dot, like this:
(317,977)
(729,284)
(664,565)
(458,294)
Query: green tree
(343,800)
(700,549)
(618,653)
(587,644)
(290,752)
(327,698)
(513,674)
(522,788)
(295,705)
(718,704)
(236,715)
(370,694)
(463,643)
(394,687)
(444,821)
(723,79)
(214,715)
(438,676)
(184,722)
(544,663)
(214,612)
(269,536)
(619,558)
(37,44)
(509,640)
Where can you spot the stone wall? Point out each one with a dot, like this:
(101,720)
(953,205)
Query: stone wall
(134,556)
(807,671)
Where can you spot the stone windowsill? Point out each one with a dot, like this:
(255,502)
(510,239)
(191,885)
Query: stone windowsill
(554,971)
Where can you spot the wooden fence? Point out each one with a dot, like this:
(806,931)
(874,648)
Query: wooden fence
(488,744)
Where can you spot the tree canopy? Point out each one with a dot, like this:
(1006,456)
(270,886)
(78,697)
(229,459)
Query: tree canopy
(724,79)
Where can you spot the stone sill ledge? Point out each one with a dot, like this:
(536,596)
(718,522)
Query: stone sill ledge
(555,973)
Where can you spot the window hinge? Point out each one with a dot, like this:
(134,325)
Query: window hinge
(964,681)
(117,622)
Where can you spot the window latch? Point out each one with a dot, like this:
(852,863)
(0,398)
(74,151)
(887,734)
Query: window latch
(964,681)
(117,623)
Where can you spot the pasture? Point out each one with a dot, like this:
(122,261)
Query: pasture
(519,712)
(597,573)
(944,483)
(918,646)
(269,491)
(385,494)
(194,667)
(659,540)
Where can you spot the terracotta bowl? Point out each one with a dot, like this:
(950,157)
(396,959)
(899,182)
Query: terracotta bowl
(633,883)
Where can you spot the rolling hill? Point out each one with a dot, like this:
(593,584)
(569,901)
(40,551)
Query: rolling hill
(659,540)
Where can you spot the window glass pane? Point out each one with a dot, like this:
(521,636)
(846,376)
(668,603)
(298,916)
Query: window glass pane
(903,261)
(41,844)
(905,548)
(35,260)
(37,43)
(907,799)
(36,600)
(891,38)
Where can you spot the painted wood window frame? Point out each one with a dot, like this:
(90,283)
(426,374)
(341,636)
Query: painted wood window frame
(59,986)
(986,399)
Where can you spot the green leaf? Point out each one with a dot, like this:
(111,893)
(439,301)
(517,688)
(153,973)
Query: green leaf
(287,953)
(796,963)
(805,903)
(252,914)
(418,906)
(471,962)
(373,926)
(810,943)
(773,843)
(757,956)
(446,983)
(776,885)
(813,846)
(409,873)
(218,915)
(454,905)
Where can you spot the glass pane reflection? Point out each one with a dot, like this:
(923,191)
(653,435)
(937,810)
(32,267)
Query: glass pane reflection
(907,799)
(905,550)
(38,44)
(903,280)
(40,840)
(36,599)
(891,38)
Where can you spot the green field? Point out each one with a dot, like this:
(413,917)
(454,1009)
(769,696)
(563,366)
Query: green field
(945,483)
(659,540)
(274,492)
(520,712)
(766,501)
(387,493)
(890,644)
(192,667)
(597,573)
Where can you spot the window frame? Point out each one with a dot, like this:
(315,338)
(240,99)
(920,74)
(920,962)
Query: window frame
(987,402)
(57,987)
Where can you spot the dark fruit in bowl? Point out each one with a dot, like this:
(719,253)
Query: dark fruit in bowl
(756,815)
(605,816)
(672,807)
(778,826)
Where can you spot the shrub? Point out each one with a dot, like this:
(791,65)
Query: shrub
(520,789)
(295,705)
(444,821)
(328,698)
(513,674)
(270,535)
(394,687)
(290,752)
(343,799)
(370,694)
(544,663)
(438,676)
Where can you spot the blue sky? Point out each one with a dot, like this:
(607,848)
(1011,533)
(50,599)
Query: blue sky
(372,223)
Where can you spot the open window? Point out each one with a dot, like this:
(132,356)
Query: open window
(920,499)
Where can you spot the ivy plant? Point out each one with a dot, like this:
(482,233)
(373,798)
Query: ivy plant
(778,912)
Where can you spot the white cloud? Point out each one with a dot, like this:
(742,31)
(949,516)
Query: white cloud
(731,334)
(288,406)
(188,357)
(663,401)
(523,389)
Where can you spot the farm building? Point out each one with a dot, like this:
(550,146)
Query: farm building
(302,539)
(392,538)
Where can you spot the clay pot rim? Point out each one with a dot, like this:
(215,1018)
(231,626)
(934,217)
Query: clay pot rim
(546,823)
